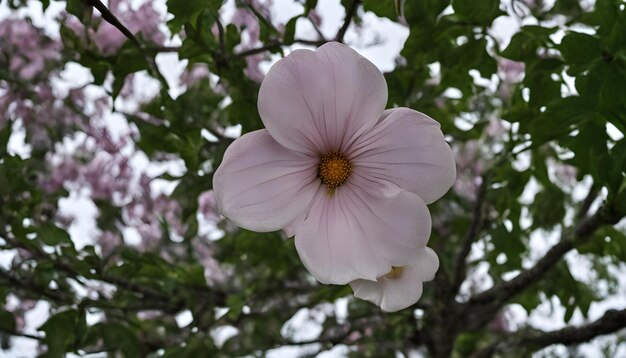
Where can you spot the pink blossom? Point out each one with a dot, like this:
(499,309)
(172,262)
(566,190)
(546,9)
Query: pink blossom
(25,50)
(19,312)
(400,288)
(349,179)
(468,166)
(213,273)
(500,324)
(67,170)
(250,28)
(253,71)
(108,176)
(511,72)
(315,18)
(103,137)
(143,22)
(108,242)
(39,109)
(564,173)
(207,206)
(194,73)
(108,38)
(149,212)
(244,19)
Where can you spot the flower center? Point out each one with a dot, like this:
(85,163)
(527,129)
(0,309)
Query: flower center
(334,169)
(395,273)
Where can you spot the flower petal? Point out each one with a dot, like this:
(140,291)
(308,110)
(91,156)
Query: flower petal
(407,148)
(263,186)
(394,294)
(361,231)
(313,102)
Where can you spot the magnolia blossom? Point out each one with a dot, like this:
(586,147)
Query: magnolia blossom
(350,180)
(402,286)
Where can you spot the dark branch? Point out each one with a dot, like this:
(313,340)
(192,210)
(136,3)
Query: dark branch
(611,321)
(350,12)
(320,35)
(269,47)
(20,334)
(220,35)
(109,17)
(589,199)
(276,45)
(583,231)
(163,49)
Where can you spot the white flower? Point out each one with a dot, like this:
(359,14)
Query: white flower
(350,180)
(400,288)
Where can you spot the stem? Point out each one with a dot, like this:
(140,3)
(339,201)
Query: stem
(350,12)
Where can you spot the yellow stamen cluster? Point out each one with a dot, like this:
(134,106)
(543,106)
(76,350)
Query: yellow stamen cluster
(395,273)
(334,169)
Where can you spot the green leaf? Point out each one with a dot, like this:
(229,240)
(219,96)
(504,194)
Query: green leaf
(290,30)
(7,321)
(477,12)
(567,7)
(383,8)
(543,88)
(5,135)
(53,235)
(548,208)
(579,50)
(121,337)
(60,332)
(424,11)
(186,11)
(613,90)
(309,5)
(524,44)
(80,9)
(561,117)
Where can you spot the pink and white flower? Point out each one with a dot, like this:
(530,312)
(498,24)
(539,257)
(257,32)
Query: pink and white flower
(402,286)
(350,180)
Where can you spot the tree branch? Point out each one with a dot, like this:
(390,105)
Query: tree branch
(350,12)
(20,334)
(611,321)
(508,289)
(494,298)
(109,17)
(275,45)
(589,199)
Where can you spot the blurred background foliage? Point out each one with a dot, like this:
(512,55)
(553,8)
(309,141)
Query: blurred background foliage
(533,220)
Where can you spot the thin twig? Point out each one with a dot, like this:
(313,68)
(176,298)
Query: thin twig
(589,199)
(320,35)
(275,45)
(220,35)
(109,17)
(611,321)
(163,49)
(583,231)
(15,333)
(350,12)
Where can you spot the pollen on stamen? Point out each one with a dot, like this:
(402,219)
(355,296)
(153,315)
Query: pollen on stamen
(395,273)
(333,170)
